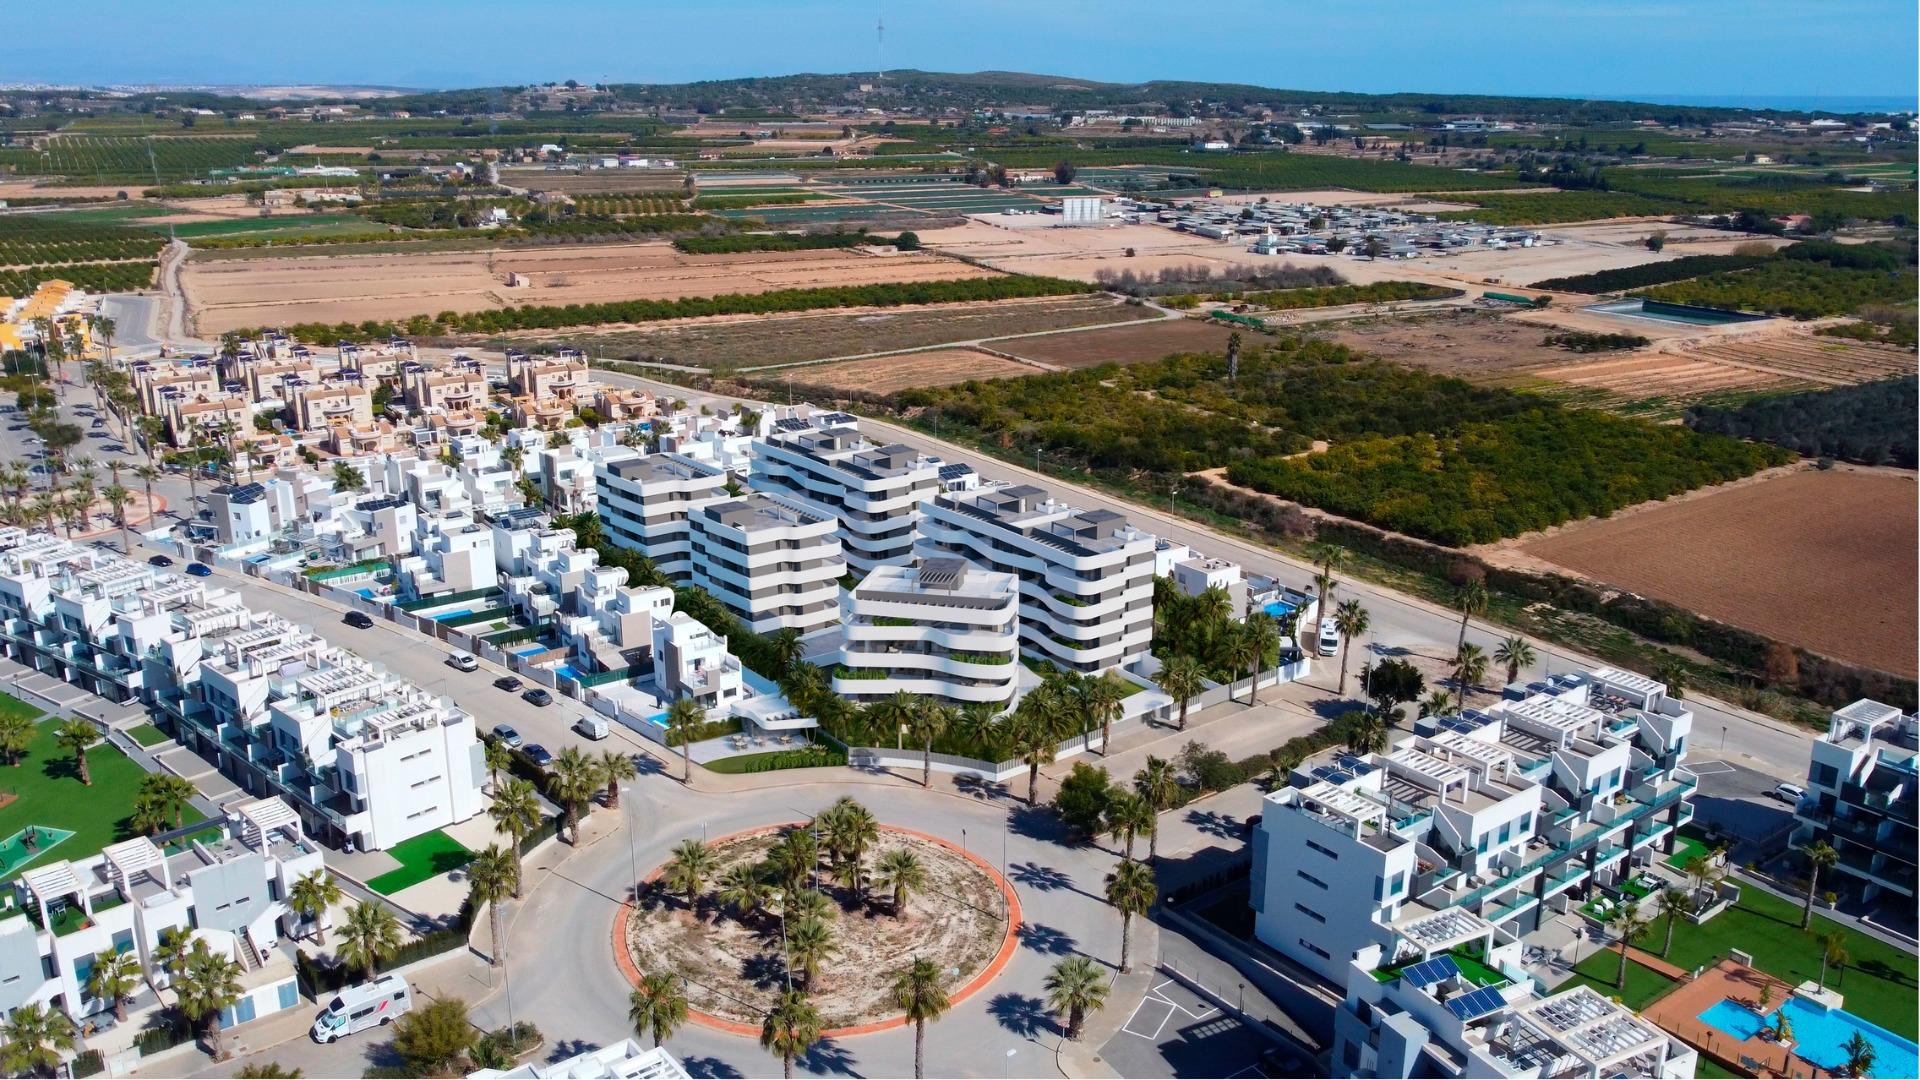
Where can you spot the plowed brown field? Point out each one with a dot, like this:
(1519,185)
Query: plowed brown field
(1823,560)
(886,374)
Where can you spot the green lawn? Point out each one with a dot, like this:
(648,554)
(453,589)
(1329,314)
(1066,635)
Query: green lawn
(50,793)
(1598,971)
(13,706)
(1880,981)
(1712,1070)
(1686,847)
(147,735)
(798,758)
(427,855)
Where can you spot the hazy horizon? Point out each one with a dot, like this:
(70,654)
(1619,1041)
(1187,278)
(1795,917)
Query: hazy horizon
(1752,53)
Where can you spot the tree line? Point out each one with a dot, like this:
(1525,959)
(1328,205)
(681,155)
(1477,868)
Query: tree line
(1872,424)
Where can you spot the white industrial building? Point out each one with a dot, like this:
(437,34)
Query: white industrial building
(943,629)
(1086,577)
(1083,210)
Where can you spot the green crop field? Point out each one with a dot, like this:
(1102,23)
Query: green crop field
(115,159)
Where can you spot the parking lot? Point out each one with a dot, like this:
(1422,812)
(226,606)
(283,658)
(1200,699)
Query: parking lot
(1737,800)
(1177,1032)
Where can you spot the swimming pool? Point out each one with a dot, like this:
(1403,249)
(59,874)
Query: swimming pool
(1819,1035)
(443,616)
(1660,311)
(1278,608)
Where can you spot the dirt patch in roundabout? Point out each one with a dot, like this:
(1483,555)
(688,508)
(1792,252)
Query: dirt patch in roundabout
(733,966)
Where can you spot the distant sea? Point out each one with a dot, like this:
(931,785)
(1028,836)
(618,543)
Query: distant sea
(1838,103)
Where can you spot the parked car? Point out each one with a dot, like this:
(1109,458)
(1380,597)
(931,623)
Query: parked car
(537,696)
(507,683)
(507,736)
(592,727)
(159,560)
(359,620)
(1791,794)
(538,755)
(464,661)
(199,569)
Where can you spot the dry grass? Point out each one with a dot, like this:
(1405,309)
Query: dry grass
(1125,344)
(1823,560)
(887,374)
(735,970)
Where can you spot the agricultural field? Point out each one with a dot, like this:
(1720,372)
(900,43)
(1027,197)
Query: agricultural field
(597,181)
(36,239)
(624,205)
(733,341)
(1290,171)
(271,292)
(1795,288)
(112,159)
(1139,343)
(908,371)
(1820,559)
(1661,385)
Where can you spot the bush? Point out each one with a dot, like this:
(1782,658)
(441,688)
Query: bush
(1582,341)
(810,758)
(1872,424)
(1378,292)
(1083,799)
(88,1063)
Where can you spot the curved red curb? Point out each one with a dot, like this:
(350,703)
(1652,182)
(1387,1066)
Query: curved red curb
(1008,943)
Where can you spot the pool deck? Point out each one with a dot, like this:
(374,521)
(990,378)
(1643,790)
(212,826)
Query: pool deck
(1679,1013)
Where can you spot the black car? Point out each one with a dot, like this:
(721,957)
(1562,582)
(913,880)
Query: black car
(538,755)
(537,696)
(359,620)
(506,735)
(159,560)
(507,683)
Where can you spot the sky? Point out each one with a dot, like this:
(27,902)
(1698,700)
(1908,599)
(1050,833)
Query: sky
(1751,51)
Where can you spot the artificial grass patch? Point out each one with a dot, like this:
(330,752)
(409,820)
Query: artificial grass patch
(428,855)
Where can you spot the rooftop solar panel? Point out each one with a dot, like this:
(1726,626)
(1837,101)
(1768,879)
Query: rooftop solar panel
(1428,972)
(1477,1004)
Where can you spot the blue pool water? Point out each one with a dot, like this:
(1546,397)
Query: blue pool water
(365,592)
(529,650)
(658,720)
(1277,609)
(567,671)
(1820,1035)
(1658,311)
(443,616)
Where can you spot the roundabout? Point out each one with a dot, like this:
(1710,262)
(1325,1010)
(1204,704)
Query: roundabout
(837,907)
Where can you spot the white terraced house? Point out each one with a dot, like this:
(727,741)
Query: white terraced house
(228,888)
(362,756)
(874,490)
(1495,815)
(1086,577)
(943,629)
(773,561)
(646,504)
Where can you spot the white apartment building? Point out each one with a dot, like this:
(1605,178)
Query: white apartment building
(773,561)
(230,891)
(1862,792)
(624,1060)
(453,553)
(1448,1014)
(1086,577)
(1199,573)
(943,628)
(242,515)
(647,504)
(875,491)
(691,661)
(364,757)
(1492,815)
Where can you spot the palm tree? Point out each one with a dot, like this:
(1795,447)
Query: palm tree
(1367,735)
(1351,620)
(117,497)
(1516,652)
(901,873)
(615,766)
(687,872)
(1673,904)
(657,1007)
(75,735)
(170,954)
(1264,636)
(790,1029)
(491,878)
(929,720)
(209,985)
(809,944)
(499,760)
(1243,653)
(371,934)
(1860,1054)
(1075,988)
(746,890)
(16,735)
(115,976)
(36,1037)
(170,795)
(917,990)
(1673,672)
(1820,856)
(1438,701)
(1158,784)
(1130,816)
(1183,678)
(683,717)
(794,859)
(1833,950)
(312,895)
(516,812)
(1034,741)
(270,1070)
(1626,922)
(1469,599)
(147,473)
(851,830)
(785,649)
(572,781)
(1470,666)
(1131,891)
(1330,559)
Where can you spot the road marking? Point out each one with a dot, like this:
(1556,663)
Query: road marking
(1155,996)
(1708,767)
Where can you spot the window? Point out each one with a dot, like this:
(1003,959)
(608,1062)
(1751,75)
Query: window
(1310,913)
(1315,949)
(1481,846)
(1526,823)
(1328,852)
(1399,884)
(1310,879)
(289,994)
(1506,831)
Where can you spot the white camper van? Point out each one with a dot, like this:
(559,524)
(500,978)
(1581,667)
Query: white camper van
(357,1008)
(1329,637)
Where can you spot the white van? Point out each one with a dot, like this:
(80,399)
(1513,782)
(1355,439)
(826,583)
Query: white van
(357,1008)
(1329,638)
(592,727)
